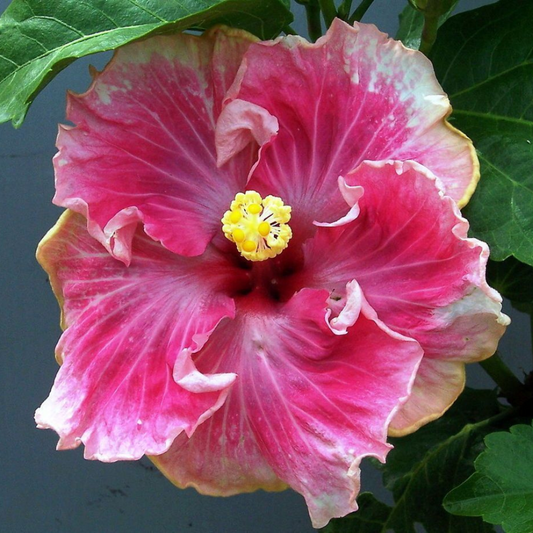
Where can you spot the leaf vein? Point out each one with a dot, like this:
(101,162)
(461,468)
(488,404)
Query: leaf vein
(491,116)
(491,78)
(60,22)
(151,13)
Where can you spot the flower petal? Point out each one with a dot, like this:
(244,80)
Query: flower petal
(437,385)
(354,95)
(351,196)
(309,403)
(409,251)
(128,329)
(468,330)
(144,144)
(239,124)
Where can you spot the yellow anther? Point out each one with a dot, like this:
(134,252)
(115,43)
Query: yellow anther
(235,216)
(263,229)
(257,226)
(238,235)
(249,246)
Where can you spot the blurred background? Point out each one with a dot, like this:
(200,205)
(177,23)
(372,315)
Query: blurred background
(44,491)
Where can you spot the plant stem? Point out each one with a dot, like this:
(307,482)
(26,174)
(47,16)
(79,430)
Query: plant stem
(509,384)
(429,33)
(329,11)
(359,13)
(344,9)
(504,415)
(314,24)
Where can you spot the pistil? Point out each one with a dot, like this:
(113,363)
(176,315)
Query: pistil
(257,226)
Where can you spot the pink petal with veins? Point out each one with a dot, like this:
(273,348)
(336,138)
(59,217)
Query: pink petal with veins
(310,402)
(128,329)
(354,95)
(409,251)
(144,143)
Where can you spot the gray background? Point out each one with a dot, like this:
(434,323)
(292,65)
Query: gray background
(44,491)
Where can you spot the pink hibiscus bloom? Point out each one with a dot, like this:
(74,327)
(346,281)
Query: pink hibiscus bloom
(263,259)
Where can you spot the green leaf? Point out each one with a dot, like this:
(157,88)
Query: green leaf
(39,38)
(484,60)
(412,24)
(514,280)
(501,489)
(370,518)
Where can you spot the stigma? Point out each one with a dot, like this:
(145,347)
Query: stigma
(257,226)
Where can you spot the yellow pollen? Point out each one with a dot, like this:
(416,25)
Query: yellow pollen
(249,246)
(235,216)
(238,235)
(254,209)
(263,229)
(258,227)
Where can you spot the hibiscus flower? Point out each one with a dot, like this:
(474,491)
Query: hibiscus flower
(263,269)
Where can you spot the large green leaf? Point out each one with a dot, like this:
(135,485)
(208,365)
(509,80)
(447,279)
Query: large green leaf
(501,489)
(484,60)
(39,38)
